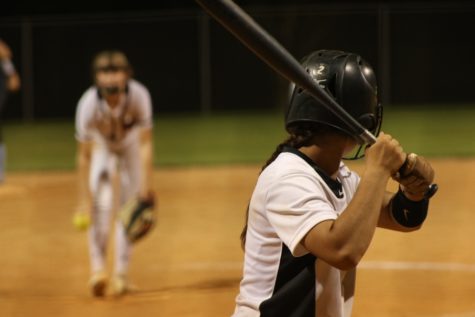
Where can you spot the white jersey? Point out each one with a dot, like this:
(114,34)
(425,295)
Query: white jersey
(281,278)
(117,128)
(116,136)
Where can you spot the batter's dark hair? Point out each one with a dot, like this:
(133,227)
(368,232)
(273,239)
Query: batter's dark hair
(302,134)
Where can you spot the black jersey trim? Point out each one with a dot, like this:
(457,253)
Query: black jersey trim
(294,291)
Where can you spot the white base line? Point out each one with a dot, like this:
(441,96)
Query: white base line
(416,266)
(365,265)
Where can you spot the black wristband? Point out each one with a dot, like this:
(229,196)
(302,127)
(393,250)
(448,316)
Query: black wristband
(406,212)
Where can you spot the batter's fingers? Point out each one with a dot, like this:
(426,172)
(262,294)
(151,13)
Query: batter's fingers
(408,166)
(417,190)
(418,186)
(411,181)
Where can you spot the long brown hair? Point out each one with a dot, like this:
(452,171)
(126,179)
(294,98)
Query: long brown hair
(300,136)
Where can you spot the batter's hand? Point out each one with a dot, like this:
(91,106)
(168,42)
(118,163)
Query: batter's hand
(385,154)
(416,177)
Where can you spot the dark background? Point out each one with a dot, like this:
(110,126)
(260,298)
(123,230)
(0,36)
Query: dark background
(423,52)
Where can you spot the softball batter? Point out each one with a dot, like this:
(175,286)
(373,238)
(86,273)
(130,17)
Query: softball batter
(114,133)
(311,219)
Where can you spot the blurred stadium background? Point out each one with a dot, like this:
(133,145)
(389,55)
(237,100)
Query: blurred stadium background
(212,95)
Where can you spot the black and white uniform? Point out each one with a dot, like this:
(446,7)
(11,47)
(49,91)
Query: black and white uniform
(281,278)
(116,137)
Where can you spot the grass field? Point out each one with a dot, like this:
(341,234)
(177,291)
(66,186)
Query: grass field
(244,138)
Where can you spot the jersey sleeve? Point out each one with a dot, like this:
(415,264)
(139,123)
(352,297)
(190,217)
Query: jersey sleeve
(296,203)
(144,107)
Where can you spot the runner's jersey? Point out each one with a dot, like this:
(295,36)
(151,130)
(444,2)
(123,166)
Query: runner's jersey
(281,278)
(116,128)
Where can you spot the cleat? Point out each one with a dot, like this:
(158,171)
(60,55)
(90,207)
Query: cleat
(119,285)
(98,284)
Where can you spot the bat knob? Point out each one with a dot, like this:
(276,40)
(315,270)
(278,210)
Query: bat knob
(433,188)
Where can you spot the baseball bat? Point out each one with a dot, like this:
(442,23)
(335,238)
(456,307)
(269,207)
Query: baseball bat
(239,23)
(269,50)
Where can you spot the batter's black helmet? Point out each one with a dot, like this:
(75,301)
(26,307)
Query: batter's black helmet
(348,79)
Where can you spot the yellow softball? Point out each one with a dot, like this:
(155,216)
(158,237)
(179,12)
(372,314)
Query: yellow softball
(81,221)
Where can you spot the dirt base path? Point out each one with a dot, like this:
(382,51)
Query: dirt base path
(191,264)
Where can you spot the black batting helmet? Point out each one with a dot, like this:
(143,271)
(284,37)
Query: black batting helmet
(349,80)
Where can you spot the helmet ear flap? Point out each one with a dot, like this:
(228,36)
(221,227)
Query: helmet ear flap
(368,120)
(372,122)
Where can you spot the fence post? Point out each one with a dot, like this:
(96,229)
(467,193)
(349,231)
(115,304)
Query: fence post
(27,70)
(204,63)
(384,52)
